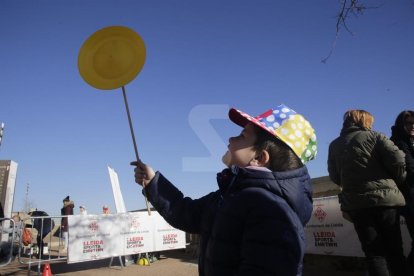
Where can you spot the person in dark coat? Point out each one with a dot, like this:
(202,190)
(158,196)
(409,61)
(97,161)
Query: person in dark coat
(370,170)
(403,137)
(43,226)
(1,211)
(254,223)
(66,211)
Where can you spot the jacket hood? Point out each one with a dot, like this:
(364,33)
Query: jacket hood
(294,186)
(352,128)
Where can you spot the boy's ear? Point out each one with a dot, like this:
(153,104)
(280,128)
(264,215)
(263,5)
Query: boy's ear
(262,159)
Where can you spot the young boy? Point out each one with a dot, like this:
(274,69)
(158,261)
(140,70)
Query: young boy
(253,224)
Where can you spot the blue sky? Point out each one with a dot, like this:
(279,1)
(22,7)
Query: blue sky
(202,57)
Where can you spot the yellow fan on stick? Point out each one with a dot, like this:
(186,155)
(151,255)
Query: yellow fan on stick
(111,58)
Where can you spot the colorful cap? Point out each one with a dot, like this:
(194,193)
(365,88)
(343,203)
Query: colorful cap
(286,125)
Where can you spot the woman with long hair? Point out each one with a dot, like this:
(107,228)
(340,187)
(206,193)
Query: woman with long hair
(403,137)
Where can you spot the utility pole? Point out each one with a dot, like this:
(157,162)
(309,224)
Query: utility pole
(26,201)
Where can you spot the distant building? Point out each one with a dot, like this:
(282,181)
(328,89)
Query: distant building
(8,171)
(323,186)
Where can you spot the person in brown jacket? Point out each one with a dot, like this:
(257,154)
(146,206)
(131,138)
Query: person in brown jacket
(66,211)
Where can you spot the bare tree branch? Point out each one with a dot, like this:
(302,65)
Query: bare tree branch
(348,7)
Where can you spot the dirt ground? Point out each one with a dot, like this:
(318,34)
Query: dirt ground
(180,263)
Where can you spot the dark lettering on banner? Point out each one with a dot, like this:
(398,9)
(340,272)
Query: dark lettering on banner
(135,242)
(325,239)
(334,225)
(326,225)
(93,246)
(169,239)
(135,232)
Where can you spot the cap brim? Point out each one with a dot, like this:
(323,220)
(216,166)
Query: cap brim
(242,119)
(237,117)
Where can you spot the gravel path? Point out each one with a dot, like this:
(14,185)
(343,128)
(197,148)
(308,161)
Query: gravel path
(179,263)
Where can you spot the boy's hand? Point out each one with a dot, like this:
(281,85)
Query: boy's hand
(143,173)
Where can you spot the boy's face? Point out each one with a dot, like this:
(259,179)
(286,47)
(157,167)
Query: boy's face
(241,148)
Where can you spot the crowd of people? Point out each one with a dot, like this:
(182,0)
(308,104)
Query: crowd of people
(376,176)
(264,199)
(264,196)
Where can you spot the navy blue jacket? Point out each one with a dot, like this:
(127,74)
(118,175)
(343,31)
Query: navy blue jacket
(43,226)
(252,225)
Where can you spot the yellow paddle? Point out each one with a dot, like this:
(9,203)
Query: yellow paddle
(111,58)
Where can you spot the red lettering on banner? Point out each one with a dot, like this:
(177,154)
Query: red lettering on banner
(170,236)
(324,234)
(325,239)
(97,242)
(135,239)
(135,242)
(93,246)
(170,239)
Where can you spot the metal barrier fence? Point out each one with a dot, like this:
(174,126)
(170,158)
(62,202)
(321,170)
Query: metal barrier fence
(46,244)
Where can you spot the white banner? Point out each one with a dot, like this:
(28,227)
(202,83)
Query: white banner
(93,237)
(139,235)
(167,237)
(328,233)
(116,190)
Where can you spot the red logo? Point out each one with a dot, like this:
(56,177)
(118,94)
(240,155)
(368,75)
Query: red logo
(319,214)
(134,224)
(93,227)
